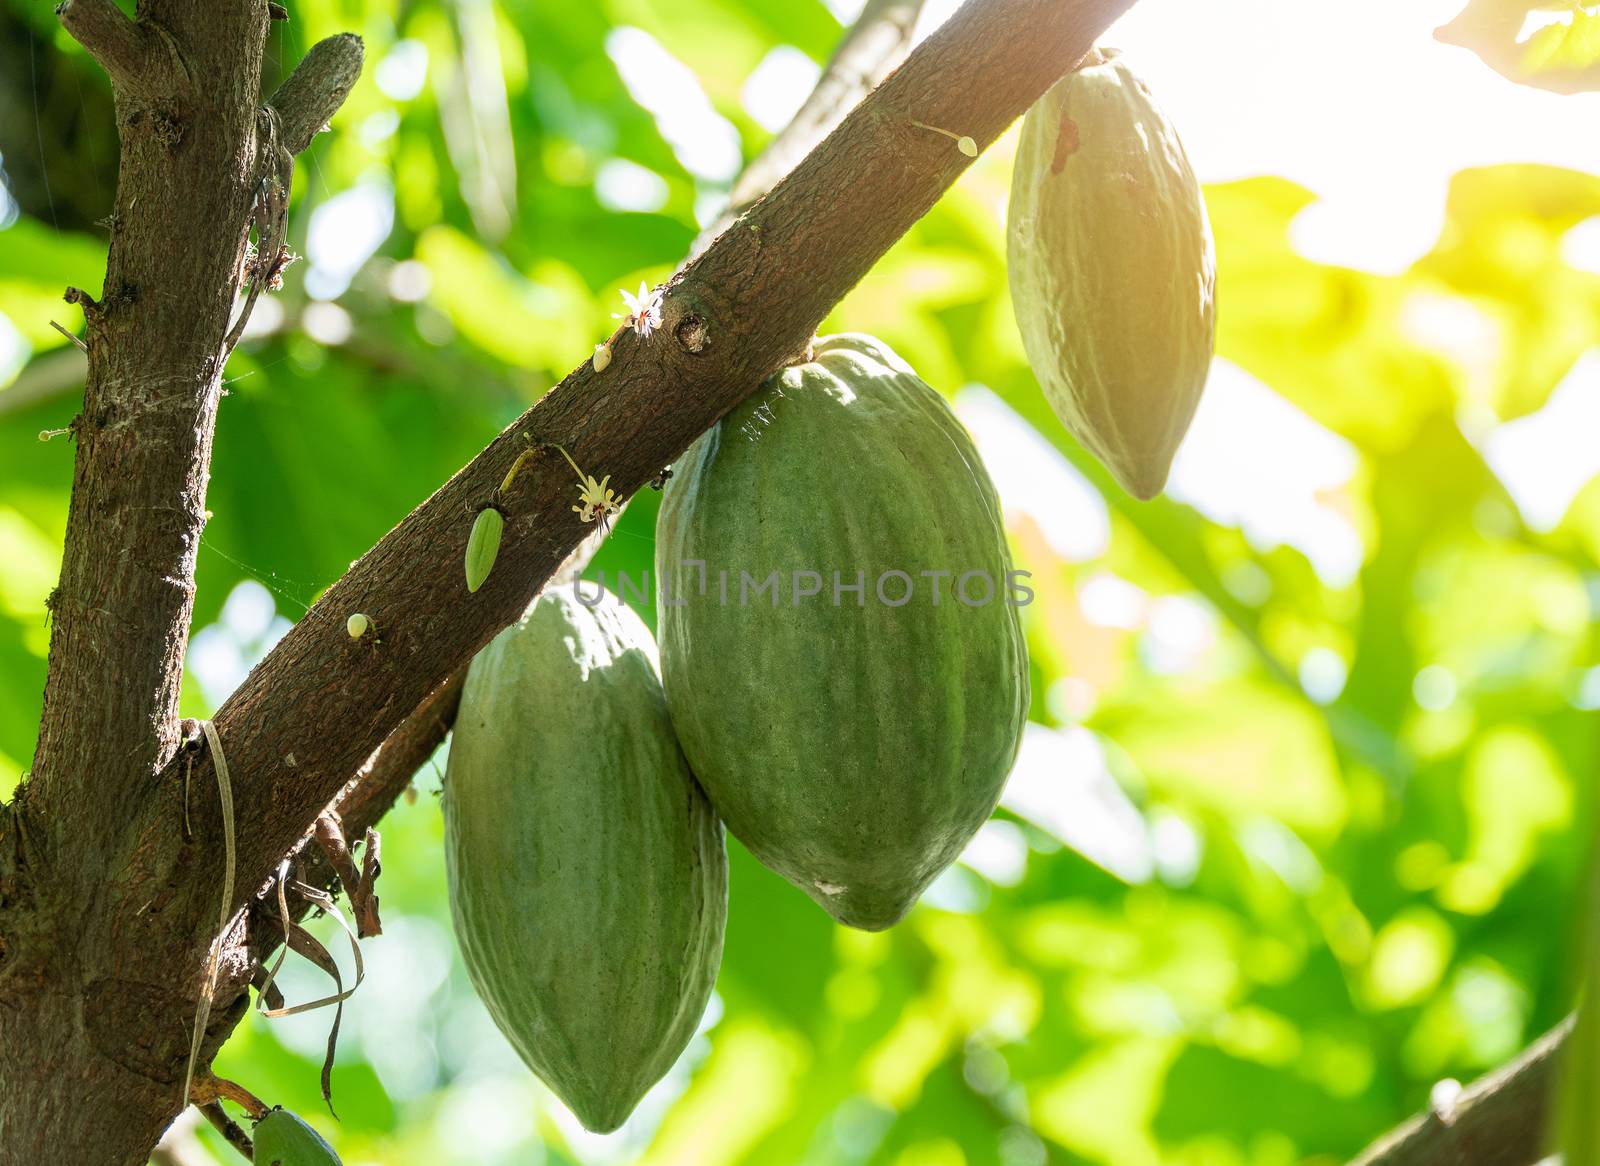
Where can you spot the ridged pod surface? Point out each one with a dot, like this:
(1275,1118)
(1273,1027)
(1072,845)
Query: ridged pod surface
(1112,269)
(588,879)
(855,748)
(282,1139)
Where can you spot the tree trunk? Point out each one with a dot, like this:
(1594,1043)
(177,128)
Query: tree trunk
(97,990)
(187,78)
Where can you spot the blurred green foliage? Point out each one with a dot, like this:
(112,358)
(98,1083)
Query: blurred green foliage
(1293,836)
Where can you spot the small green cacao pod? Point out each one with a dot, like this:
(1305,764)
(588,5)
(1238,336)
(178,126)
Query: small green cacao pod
(1113,273)
(853,740)
(282,1139)
(588,879)
(483,545)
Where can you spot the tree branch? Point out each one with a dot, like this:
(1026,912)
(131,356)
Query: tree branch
(317,88)
(1502,1119)
(363,802)
(137,58)
(155,355)
(389,770)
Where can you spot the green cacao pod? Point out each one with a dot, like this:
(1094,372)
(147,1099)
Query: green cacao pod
(854,741)
(282,1139)
(1113,273)
(588,880)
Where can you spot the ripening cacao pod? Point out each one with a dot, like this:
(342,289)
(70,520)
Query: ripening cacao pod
(588,879)
(1113,273)
(282,1139)
(853,740)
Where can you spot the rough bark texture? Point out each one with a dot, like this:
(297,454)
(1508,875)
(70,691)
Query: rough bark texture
(91,1004)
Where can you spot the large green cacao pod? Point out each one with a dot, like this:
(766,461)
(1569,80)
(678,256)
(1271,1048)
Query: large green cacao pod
(588,879)
(1113,274)
(854,747)
(282,1139)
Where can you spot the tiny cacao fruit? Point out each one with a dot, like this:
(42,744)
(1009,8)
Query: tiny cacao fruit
(483,545)
(282,1139)
(1112,269)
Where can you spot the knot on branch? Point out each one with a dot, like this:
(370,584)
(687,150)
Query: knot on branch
(692,333)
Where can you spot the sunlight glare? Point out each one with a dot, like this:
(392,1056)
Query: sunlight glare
(1377,143)
(1034,479)
(705,142)
(777,87)
(1545,458)
(1255,461)
(345,231)
(1061,784)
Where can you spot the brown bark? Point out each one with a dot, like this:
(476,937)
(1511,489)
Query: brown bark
(106,911)
(89,1021)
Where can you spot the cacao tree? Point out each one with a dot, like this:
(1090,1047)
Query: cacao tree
(297,459)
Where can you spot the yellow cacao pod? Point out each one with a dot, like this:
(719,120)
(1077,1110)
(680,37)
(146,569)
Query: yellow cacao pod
(1113,272)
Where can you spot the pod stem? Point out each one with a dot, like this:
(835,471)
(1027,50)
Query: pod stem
(525,455)
(516,468)
(208,1088)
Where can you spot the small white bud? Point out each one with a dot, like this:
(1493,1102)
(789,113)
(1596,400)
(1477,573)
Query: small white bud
(357,625)
(602,357)
(1442,1098)
(967,146)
